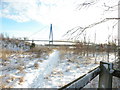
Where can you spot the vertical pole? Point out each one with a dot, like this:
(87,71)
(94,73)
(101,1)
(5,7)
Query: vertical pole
(108,51)
(105,77)
(115,48)
(84,44)
(94,46)
(32,45)
(119,30)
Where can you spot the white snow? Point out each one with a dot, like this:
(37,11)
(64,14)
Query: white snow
(12,45)
(53,72)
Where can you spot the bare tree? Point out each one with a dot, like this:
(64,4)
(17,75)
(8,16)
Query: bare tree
(77,31)
(119,31)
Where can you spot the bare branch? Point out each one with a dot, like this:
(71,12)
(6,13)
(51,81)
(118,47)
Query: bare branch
(114,25)
(79,30)
(110,8)
(86,4)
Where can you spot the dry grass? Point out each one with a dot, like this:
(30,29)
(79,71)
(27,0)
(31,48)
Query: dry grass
(4,54)
(21,80)
(19,52)
(8,80)
(4,63)
(47,77)
(13,78)
(41,51)
(36,65)
(40,61)
(78,66)
(21,68)
(63,51)
(5,84)
(62,57)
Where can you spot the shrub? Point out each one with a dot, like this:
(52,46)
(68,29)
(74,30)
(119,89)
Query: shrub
(32,45)
(4,54)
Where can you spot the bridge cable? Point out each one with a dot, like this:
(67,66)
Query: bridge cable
(37,31)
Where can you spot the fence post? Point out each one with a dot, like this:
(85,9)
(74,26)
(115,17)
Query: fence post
(105,76)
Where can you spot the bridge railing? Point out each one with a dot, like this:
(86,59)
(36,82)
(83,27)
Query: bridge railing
(105,72)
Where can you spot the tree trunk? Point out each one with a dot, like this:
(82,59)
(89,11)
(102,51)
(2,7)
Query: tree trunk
(119,32)
(116,81)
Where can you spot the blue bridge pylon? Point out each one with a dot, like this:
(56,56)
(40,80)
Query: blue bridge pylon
(51,35)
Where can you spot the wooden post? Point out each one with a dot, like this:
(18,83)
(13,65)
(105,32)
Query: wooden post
(105,77)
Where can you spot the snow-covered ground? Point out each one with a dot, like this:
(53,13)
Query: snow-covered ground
(27,71)
(14,45)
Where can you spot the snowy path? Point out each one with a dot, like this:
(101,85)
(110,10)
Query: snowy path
(35,78)
(47,68)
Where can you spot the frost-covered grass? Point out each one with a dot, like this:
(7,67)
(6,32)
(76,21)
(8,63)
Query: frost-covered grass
(44,67)
(25,70)
(17,66)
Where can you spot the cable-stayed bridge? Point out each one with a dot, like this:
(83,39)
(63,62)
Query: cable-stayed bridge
(51,41)
(54,42)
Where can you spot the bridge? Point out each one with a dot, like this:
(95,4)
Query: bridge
(51,41)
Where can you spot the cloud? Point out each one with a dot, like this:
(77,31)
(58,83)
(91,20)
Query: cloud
(47,11)
(18,10)
(44,11)
(62,13)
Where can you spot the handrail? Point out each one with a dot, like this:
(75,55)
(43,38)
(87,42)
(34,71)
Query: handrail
(116,73)
(82,80)
(105,71)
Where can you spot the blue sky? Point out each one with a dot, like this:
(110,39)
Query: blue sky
(10,27)
(26,17)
